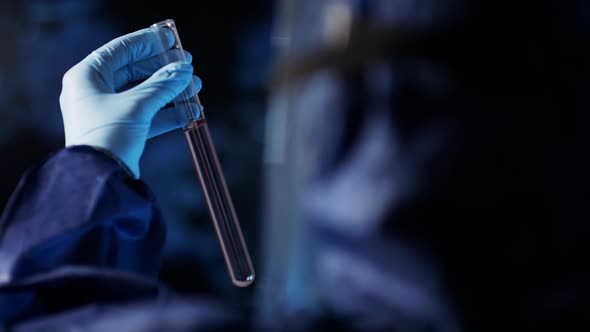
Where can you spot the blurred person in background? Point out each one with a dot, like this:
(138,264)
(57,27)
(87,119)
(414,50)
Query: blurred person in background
(425,171)
(430,158)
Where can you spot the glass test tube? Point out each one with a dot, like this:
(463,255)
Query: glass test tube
(190,113)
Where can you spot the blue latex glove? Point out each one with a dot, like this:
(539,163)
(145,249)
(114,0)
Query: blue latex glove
(103,106)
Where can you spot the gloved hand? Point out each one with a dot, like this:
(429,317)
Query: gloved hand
(103,106)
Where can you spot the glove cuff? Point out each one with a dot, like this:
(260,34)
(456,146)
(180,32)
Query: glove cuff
(123,143)
(120,162)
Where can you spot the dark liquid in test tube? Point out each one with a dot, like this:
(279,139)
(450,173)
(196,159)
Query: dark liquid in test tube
(219,203)
(221,209)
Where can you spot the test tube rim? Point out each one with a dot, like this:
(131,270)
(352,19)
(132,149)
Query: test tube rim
(169,23)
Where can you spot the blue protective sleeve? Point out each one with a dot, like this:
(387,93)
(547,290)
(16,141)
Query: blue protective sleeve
(78,211)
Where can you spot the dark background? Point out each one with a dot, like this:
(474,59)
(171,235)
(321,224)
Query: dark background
(231,52)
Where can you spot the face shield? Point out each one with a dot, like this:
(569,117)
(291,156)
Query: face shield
(333,166)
